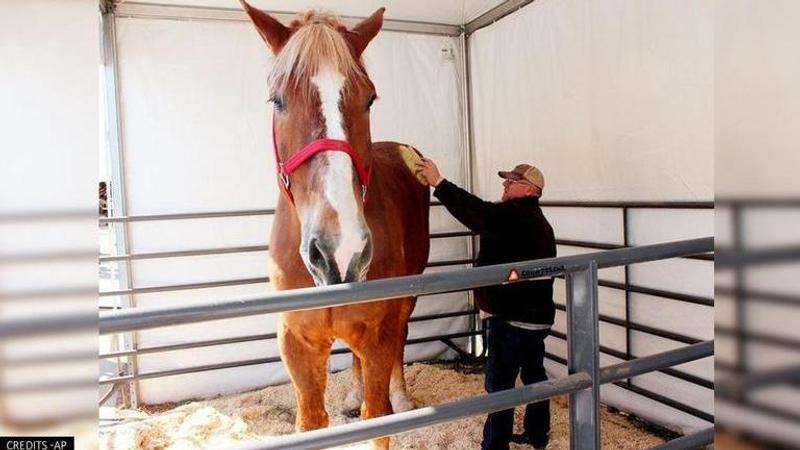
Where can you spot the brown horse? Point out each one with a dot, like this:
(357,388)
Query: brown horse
(352,211)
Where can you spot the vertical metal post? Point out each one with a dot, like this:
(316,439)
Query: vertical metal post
(466,118)
(583,355)
(118,204)
(626,240)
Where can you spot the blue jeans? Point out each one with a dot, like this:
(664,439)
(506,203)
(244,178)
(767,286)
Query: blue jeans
(513,351)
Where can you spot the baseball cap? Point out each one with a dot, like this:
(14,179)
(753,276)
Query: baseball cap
(525,172)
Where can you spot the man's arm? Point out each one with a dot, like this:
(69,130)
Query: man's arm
(469,209)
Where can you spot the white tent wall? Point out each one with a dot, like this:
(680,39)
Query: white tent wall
(620,89)
(196,138)
(614,102)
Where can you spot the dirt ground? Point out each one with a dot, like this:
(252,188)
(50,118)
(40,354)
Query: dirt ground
(259,414)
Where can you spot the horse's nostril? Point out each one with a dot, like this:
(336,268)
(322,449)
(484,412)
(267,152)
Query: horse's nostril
(315,255)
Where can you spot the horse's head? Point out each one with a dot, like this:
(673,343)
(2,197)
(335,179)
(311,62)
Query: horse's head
(322,97)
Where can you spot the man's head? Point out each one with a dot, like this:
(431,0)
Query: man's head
(524,180)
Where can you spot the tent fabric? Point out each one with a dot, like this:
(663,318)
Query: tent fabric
(196,137)
(622,90)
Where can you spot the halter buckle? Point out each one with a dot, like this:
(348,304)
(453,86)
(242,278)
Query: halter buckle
(284,176)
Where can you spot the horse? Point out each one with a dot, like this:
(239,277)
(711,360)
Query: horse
(351,210)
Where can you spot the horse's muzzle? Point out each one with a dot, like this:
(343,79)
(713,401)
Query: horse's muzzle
(325,259)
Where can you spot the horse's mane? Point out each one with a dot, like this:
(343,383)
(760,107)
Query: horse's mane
(317,42)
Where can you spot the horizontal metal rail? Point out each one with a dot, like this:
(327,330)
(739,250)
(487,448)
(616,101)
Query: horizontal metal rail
(42,326)
(234,282)
(629,204)
(263,248)
(41,359)
(253,362)
(643,328)
(175,12)
(198,215)
(689,442)
(760,407)
(270,211)
(646,393)
(702,382)
(224,250)
(56,385)
(686,298)
(755,295)
(347,293)
(758,202)
(787,343)
(185,216)
(647,364)
(184,253)
(48,256)
(184,287)
(758,257)
(47,215)
(735,384)
(498,401)
(663,399)
(606,246)
(48,293)
(250,338)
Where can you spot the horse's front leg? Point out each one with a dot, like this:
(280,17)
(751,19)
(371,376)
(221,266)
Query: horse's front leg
(398,394)
(355,397)
(376,353)
(306,360)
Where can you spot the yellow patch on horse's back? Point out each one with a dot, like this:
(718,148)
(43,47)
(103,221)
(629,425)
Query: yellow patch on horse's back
(410,157)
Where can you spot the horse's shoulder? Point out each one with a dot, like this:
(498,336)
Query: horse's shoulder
(385,145)
(394,156)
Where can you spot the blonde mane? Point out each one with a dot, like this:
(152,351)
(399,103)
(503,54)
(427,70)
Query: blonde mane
(317,42)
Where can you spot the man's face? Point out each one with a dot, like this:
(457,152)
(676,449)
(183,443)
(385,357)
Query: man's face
(516,189)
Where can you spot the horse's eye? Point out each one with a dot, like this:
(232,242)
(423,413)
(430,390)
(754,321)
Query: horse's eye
(371,100)
(278,102)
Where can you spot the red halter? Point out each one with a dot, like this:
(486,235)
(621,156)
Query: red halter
(319,145)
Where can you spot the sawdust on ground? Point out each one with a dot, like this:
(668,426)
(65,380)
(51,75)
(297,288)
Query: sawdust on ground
(271,411)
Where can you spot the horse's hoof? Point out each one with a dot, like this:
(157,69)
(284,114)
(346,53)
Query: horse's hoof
(353,413)
(402,405)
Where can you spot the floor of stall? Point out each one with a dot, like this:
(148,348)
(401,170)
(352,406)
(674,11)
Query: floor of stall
(270,411)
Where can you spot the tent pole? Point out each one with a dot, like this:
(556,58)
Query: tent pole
(467,139)
(118,203)
(494,14)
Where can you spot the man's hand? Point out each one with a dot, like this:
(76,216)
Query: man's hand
(427,168)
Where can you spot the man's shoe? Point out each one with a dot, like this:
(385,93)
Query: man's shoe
(526,439)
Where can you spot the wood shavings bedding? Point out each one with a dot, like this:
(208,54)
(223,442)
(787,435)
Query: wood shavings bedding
(256,415)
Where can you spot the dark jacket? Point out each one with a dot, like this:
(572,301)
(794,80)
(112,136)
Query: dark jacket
(513,230)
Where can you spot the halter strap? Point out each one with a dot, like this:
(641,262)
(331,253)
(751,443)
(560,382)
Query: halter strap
(285,168)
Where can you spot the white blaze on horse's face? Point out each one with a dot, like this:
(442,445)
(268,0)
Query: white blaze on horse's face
(352,250)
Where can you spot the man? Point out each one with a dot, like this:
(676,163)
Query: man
(522,313)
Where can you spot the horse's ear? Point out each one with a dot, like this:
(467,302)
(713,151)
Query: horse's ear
(361,34)
(272,31)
